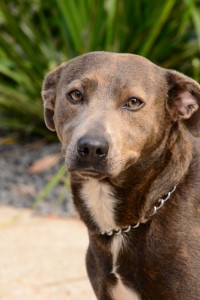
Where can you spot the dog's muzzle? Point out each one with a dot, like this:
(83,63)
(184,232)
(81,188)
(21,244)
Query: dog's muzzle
(91,154)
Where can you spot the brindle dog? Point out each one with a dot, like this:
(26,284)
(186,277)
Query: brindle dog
(126,129)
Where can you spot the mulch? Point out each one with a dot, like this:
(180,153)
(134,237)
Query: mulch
(25,170)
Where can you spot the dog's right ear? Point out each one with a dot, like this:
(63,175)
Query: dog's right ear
(49,96)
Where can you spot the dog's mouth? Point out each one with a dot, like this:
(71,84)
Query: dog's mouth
(89,173)
(87,170)
(92,174)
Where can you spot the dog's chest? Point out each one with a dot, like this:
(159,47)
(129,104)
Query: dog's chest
(100,202)
(120,291)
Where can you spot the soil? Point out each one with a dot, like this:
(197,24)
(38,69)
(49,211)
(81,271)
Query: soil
(26,170)
(42,258)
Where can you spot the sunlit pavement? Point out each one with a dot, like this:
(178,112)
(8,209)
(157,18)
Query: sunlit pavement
(42,258)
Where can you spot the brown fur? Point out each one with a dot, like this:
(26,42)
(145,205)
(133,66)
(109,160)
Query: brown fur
(150,151)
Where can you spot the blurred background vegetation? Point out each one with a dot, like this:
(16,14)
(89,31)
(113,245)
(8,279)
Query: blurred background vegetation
(38,35)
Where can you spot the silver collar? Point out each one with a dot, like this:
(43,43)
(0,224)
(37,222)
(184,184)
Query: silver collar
(126,229)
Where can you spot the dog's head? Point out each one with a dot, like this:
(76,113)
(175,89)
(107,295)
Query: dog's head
(110,110)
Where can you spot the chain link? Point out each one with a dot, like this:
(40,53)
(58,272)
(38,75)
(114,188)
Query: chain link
(162,202)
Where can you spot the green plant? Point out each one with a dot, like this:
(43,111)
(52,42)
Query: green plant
(38,35)
(61,173)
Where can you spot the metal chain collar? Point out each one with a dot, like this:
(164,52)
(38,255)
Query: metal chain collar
(126,229)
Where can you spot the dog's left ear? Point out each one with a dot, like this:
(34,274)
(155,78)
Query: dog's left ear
(184,100)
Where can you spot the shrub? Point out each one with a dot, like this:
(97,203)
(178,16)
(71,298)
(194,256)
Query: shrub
(38,35)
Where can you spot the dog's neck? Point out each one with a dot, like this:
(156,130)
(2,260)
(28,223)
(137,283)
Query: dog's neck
(177,157)
(153,178)
(139,187)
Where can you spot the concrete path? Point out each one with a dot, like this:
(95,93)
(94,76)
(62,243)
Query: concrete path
(42,258)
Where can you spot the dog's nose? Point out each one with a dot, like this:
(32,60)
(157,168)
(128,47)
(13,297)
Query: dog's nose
(92,149)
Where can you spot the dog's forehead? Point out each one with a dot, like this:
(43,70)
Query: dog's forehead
(124,67)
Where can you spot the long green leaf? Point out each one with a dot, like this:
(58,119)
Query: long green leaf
(57,177)
(161,19)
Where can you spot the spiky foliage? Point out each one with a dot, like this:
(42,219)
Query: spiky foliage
(38,35)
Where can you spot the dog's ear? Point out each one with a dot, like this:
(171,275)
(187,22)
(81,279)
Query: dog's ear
(49,95)
(184,100)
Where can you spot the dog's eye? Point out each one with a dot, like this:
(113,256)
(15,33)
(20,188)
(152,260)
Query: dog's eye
(134,103)
(75,96)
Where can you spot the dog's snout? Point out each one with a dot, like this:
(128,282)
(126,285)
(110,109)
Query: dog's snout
(92,149)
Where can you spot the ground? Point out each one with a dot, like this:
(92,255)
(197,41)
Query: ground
(42,258)
(26,169)
(42,246)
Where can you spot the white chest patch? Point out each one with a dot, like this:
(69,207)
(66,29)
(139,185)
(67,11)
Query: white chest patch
(117,244)
(100,202)
(120,291)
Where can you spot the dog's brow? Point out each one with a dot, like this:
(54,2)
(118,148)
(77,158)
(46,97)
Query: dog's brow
(89,83)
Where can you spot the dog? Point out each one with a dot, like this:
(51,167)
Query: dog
(127,129)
